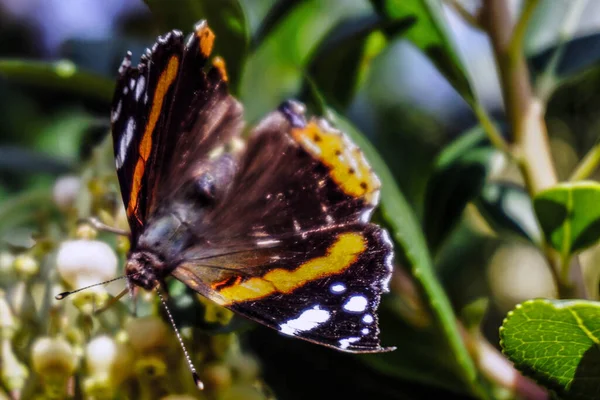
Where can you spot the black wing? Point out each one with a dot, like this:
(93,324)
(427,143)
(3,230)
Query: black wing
(167,115)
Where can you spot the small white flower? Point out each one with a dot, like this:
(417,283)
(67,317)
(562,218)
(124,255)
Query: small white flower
(65,191)
(86,262)
(100,355)
(53,355)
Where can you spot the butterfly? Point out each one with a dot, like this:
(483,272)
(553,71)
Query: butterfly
(275,228)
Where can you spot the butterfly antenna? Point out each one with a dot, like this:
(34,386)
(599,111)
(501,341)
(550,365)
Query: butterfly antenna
(63,295)
(197,380)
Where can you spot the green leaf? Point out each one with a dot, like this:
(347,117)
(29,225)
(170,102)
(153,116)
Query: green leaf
(569,215)
(458,177)
(508,209)
(277,13)
(225,17)
(558,344)
(430,34)
(341,59)
(60,75)
(405,231)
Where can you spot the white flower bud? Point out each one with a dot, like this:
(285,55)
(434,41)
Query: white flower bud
(100,355)
(108,362)
(147,333)
(53,357)
(26,265)
(7,319)
(65,191)
(86,262)
(7,261)
(13,372)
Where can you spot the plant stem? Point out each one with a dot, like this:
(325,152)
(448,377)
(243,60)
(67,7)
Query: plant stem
(495,367)
(518,35)
(588,165)
(464,13)
(525,113)
(489,128)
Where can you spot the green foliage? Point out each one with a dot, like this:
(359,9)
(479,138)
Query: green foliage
(569,216)
(485,188)
(430,34)
(556,343)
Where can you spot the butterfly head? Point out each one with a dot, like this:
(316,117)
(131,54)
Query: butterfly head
(143,269)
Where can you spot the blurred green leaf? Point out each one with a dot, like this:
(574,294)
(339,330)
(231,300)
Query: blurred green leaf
(405,231)
(569,215)
(557,343)
(225,17)
(340,60)
(458,177)
(430,34)
(20,159)
(277,13)
(508,209)
(60,75)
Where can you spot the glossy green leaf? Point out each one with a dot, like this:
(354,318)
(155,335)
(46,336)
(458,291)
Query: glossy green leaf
(225,17)
(458,177)
(569,215)
(60,75)
(508,209)
(430,34)
(341,59)
(558,344)
(406,233)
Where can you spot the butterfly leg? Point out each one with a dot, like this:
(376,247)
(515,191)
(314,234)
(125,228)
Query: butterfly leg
(98,225)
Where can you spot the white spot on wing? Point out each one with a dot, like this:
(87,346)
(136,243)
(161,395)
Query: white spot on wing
(125,142)
(338,288)
(141,85)
(345,343)
(116,112)
(365,331)
(308,320)
(125,90)
(356,303)
(367,319)
(266,242)
(132,83)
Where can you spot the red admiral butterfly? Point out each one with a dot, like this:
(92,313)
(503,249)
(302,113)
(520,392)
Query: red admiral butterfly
(277,231)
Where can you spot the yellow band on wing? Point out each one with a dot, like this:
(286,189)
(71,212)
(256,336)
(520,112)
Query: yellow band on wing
(166,79)
(347,165)
(340,256)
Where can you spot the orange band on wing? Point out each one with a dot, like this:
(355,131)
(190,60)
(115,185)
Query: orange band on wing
(340,256)
(346,163)
(164,83)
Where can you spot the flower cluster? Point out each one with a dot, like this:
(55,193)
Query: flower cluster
(93,344)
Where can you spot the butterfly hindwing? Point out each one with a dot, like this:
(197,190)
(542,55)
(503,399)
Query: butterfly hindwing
(290,245)
(323,287)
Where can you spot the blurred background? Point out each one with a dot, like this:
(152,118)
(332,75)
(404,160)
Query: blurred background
(400,101)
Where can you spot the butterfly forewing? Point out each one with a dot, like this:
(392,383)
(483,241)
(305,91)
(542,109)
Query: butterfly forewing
(168,114)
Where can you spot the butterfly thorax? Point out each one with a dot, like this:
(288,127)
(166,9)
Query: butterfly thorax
(157,251)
